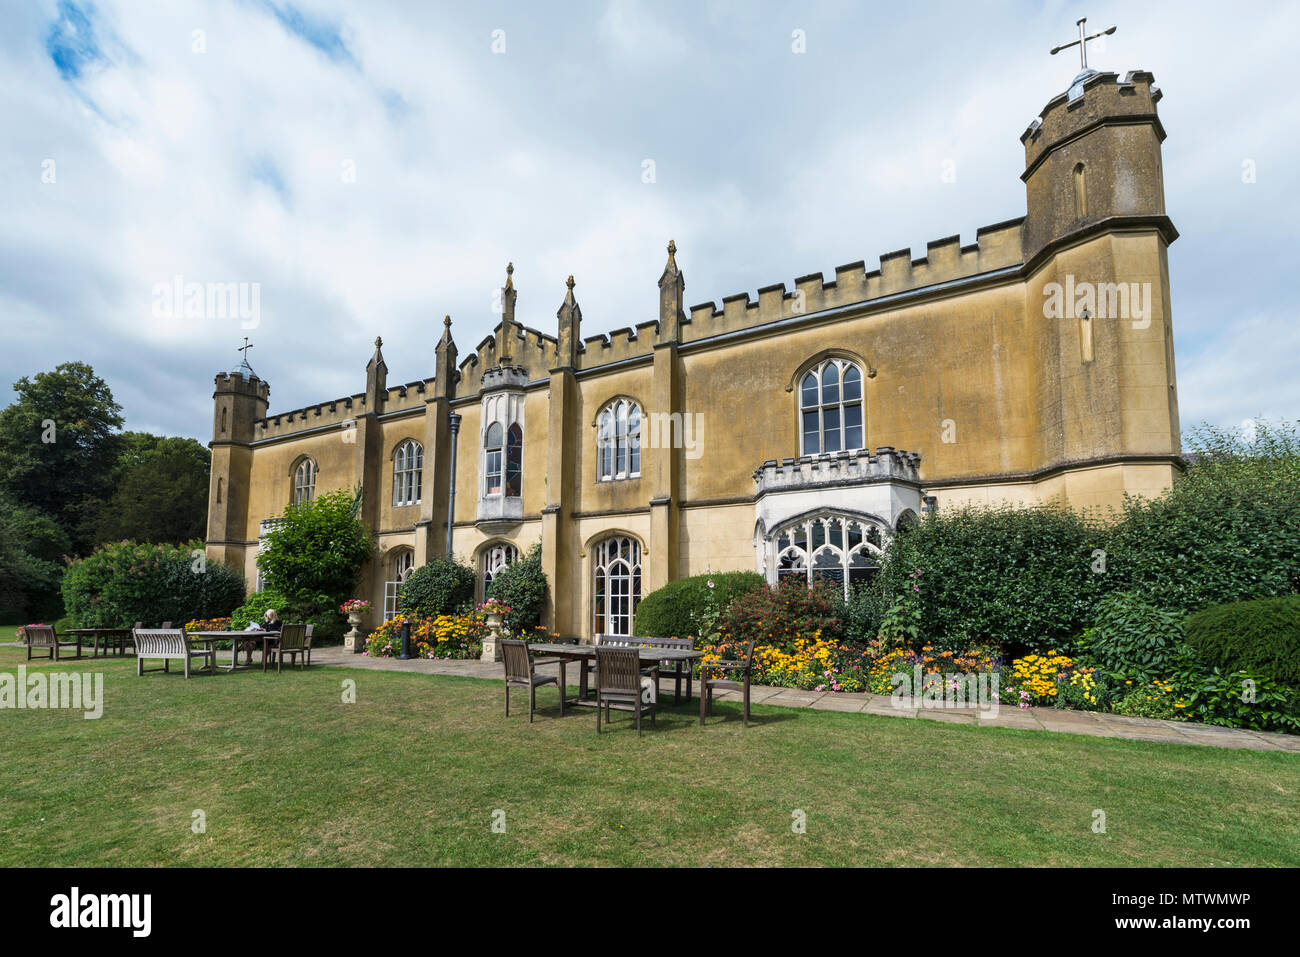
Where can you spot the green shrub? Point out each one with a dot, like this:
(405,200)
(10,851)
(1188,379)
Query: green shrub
(522,586)
(681,608)
(314,553)
(780,616)
(1228,531)
(1261,636)
(443,586)
(254,609)
(1132,637)
(1017,578)
(120,584)
(1240,700)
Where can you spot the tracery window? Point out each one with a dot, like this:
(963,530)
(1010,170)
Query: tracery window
(494,560)
(617,592)
(408,469)
(835,549)
(304,481)
(618,441)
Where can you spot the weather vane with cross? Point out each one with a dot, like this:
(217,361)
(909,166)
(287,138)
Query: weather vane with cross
(243,350)
(1082,43)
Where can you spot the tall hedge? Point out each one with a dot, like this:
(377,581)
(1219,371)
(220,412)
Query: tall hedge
(675,610)
(1261,636)
(122,583)
(1025,578)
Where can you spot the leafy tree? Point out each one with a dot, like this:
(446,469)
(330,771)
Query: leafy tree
(314,553)
(440,587)
(160,494)
(57,444)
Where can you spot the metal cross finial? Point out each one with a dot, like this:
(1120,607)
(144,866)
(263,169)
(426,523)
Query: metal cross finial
(245,347)
(1082,42)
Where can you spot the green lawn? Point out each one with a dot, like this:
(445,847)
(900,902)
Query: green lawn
(286,773)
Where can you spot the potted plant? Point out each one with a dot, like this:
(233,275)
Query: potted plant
(494,612)
(355,609)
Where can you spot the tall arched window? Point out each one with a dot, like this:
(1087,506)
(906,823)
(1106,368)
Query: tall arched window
(514,460)
(830,408)
(304,481)
(492,459)
(617,590)
(835,549)
(400,566)
(496,558)
(408,470)
(618,441)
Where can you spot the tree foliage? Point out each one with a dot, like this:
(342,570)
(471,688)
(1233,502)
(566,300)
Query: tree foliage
(522,586)
(442,586)
(314,553)
(159,492)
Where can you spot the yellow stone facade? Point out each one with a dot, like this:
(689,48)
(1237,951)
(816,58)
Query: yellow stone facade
(1035,364)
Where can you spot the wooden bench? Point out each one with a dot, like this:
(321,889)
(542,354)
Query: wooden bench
(169,644)
(44,636)
(681,668)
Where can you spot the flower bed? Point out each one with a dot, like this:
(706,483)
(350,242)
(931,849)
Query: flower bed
(445,636)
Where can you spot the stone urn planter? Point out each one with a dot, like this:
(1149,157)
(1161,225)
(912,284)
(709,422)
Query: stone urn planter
(492,643)
(355,639)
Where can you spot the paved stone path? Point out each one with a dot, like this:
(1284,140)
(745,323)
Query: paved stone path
(1032,719)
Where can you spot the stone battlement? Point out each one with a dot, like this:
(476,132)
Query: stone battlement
(885,464)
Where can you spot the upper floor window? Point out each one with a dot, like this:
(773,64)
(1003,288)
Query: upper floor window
(618,441)
(492,459)
(304,482)
(408,469)
(503,460)
(830,408)
(514,460)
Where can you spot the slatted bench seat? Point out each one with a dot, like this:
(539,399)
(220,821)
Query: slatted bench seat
(169,644)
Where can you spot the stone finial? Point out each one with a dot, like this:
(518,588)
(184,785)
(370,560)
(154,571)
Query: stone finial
(570,283)
(378,341)
(510,271)
(446,321)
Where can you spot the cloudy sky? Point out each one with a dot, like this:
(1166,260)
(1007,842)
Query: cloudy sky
(372,166)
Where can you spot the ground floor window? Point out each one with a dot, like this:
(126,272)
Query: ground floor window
(399,569)
(617,591)
(834,549)
(494,559)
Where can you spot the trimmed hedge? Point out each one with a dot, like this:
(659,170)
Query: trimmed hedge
(442,586)
(675,610)
(1260,636)
(1134,637)
(120,584)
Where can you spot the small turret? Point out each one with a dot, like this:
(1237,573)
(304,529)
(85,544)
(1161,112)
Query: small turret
(672,287)
(570,333)
(376,378)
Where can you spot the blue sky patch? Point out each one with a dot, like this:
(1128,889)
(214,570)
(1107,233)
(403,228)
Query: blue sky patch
(71,41)
(316,31)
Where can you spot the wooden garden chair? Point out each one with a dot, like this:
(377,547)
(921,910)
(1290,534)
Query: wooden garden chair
(520,673)
(618,682)
(293,642)
(45,637)
(709,685)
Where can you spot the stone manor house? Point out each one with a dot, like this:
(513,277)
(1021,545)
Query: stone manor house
(793,433)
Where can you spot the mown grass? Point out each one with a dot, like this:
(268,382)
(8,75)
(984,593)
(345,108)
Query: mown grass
(285,772)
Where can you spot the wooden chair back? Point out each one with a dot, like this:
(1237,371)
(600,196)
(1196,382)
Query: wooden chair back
(40,636)
(618,669)
(635,641)
(159,642)
(293,637)
(514,652)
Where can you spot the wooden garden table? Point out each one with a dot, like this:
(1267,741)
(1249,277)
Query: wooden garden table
(235,637)
(584,653)
(110,637)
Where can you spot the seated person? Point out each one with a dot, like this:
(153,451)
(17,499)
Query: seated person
(270,622)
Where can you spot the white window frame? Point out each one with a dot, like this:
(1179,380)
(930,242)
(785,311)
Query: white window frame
(616,585)
(618,441)
(304,481)
(408,473)
(838,405)
(820,552)
(495,558)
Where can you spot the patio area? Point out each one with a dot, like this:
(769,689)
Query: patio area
(1031,719)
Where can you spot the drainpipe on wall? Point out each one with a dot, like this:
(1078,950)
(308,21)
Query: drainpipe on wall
(451,498)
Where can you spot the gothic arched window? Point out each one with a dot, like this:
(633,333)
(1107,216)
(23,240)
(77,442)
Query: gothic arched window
(617,592)
(618,441)
(408,472)
(496,558)
(830,408)
(514,460)
(834,549)
(304,481)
